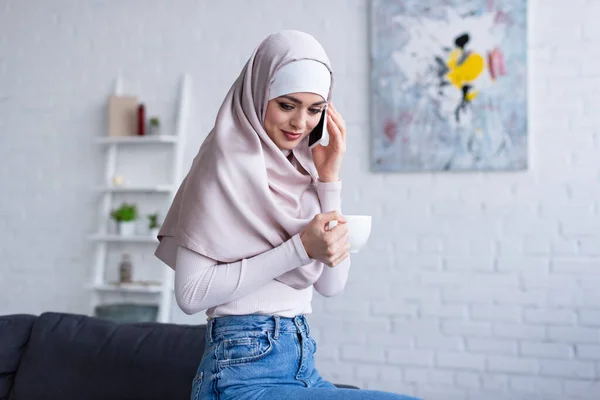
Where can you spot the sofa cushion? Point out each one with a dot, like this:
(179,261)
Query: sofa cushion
(78,357)
(14,334)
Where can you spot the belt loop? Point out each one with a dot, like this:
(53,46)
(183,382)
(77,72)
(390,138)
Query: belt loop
(276,335)
(307,325)
(209,328)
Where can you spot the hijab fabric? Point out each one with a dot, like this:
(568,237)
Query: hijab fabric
(242,195)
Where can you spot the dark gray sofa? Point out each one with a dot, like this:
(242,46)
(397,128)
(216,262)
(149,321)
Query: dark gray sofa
(68,356)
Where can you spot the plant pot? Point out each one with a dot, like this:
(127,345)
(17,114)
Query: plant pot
(126,228)
(154,232)
(154,130)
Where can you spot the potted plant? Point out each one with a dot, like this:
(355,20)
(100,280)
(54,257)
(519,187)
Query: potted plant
(125,216)
(153,225)
(155,126)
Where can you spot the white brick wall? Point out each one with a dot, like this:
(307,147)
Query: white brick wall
(473,286)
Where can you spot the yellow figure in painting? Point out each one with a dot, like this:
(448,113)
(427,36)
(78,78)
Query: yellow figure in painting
(464,68)
(460,69)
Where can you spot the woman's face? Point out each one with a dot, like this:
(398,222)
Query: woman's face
(291,117)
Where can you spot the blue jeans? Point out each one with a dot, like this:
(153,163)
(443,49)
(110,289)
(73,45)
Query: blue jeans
(266,357)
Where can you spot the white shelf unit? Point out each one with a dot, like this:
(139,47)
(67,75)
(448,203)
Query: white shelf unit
(161,293)
(137,140)
(137,189)
(128,288)
(122,239)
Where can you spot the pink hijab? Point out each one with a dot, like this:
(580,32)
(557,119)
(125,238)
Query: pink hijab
(242,196)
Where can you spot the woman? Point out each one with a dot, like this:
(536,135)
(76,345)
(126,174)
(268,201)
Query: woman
(248,231)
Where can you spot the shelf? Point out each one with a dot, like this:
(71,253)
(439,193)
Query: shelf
(136,189)
(108,242)
(128,288)
(137,139)
(123,239)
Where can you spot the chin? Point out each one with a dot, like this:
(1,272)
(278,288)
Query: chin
(286,144)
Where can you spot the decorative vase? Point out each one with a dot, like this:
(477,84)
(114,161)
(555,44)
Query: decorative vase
(126,269)
(126,228)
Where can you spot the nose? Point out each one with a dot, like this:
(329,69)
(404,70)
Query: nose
(298,122)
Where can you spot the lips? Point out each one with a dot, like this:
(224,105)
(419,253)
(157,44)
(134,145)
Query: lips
(291,135)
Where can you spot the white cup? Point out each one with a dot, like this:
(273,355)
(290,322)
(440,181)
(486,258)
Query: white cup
(359,229)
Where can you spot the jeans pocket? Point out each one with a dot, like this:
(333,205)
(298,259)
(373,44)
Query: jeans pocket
(244,349)
(196,384)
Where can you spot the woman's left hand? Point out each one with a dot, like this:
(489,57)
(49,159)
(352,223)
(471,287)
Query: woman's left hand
(328,159)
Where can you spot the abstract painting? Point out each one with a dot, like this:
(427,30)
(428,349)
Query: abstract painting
(448,85)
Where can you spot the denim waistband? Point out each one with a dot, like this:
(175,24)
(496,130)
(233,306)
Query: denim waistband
(256,323)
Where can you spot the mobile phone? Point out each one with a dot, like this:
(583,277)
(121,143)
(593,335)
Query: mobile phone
(319,131)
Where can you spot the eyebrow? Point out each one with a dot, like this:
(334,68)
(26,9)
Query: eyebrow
(295,100)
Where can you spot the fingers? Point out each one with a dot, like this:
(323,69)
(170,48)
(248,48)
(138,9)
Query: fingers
(333,127)
(335,115)
(337,119)
(336,246)
(334,242)
(330,227)
(324,218)
(337,133)
(342,242)
(340,256)
(337,233)
(337,139)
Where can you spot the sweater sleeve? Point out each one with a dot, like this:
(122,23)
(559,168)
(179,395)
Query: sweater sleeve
(333,280)
(201,283)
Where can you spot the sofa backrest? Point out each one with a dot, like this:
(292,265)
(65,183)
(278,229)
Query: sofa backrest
(78,357)
(14,335)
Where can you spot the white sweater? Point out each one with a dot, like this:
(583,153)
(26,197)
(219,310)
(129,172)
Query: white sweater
(249,286)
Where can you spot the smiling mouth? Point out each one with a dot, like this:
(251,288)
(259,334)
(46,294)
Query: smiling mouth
(291,135)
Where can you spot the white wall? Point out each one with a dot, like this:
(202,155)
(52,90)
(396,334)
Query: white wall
(473,286)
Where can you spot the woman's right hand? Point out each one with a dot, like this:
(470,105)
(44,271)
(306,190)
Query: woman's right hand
(330,246)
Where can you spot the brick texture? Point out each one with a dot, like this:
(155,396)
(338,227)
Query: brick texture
(473,285)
